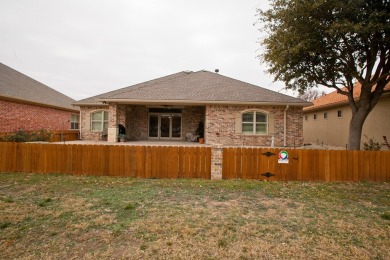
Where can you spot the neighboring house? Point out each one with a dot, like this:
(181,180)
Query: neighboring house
(327,120)
(170,108)
(26,104)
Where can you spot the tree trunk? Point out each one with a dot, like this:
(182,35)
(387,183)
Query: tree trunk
(356,127)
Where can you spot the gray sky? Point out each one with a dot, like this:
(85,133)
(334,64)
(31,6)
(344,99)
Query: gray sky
(87,47)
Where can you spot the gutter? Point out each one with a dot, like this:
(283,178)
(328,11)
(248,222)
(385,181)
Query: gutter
(199,102)
(285,127)
(37,103)
(80,126)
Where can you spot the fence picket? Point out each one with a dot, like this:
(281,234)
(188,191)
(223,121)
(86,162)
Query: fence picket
(194,162)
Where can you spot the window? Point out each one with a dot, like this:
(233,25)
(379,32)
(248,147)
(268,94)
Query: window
(99,120)
(306,117)
(326,115)
(254,123)
(339,113)
(315,116)
(74,122)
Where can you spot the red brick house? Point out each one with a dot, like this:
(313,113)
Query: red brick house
(28,105)
(170,108)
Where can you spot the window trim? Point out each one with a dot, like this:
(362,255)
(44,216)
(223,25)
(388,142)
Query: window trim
(102,121)
(72,123)
(254,122)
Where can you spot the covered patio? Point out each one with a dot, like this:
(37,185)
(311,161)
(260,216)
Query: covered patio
(137,143)
(143,122)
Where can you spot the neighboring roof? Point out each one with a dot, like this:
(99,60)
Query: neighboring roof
(17,86)
(335,99)
(187,87)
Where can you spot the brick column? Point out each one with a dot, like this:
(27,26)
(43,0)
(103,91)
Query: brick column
(112,123)
(216,161)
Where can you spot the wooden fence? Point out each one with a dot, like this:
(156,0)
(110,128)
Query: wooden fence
(107,160)
(307,165)
(55,135)
(65,135)
(194,162)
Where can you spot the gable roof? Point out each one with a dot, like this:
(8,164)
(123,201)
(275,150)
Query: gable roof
(19,87)
(335,99)
(187,87)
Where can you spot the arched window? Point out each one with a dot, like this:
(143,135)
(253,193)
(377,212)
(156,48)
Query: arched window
(99,120)
(254,123)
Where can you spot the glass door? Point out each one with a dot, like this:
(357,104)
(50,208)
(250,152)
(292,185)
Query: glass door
(153,126)
(163,126)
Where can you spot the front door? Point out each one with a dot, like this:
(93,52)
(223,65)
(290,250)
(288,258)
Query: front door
(165,126)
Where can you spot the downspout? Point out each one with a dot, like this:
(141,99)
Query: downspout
(80,125)
(285,126)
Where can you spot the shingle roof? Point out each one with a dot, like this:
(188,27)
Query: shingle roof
(201,86)
(15,85)
(335,99)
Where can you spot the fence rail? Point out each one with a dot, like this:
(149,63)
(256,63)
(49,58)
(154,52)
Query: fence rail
(307,165)
(107,160)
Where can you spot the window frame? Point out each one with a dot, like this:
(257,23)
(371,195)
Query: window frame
(341,113)
(74,125)
(254,123)
(102,120)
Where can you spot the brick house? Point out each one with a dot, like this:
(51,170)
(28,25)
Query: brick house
(26,104)
(171,107)
(327,120)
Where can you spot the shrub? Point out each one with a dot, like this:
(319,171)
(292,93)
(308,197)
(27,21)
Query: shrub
(23,136)
(371,144)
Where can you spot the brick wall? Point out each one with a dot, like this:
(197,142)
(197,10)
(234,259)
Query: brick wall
(137,123)
(220,127)
(85,122)
(191,117)
(28,117)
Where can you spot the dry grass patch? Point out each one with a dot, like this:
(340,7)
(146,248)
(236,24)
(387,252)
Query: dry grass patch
(58,216)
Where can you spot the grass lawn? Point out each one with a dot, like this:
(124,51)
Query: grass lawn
(60,216)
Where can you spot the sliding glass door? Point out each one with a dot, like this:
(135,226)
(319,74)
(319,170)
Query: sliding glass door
(165,126)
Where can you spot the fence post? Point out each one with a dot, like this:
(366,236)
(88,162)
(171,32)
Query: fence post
(216,161)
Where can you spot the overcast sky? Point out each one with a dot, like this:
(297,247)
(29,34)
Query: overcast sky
(87,47)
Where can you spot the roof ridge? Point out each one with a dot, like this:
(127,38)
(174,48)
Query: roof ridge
(149,82)
(19,86)
(34,80)
(135,86)
(199,86)
(247,83)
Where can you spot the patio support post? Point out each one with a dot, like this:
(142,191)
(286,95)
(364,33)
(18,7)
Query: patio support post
(112,123)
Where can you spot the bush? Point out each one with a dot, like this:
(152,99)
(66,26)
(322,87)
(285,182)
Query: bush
(23,136)
(371,144)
